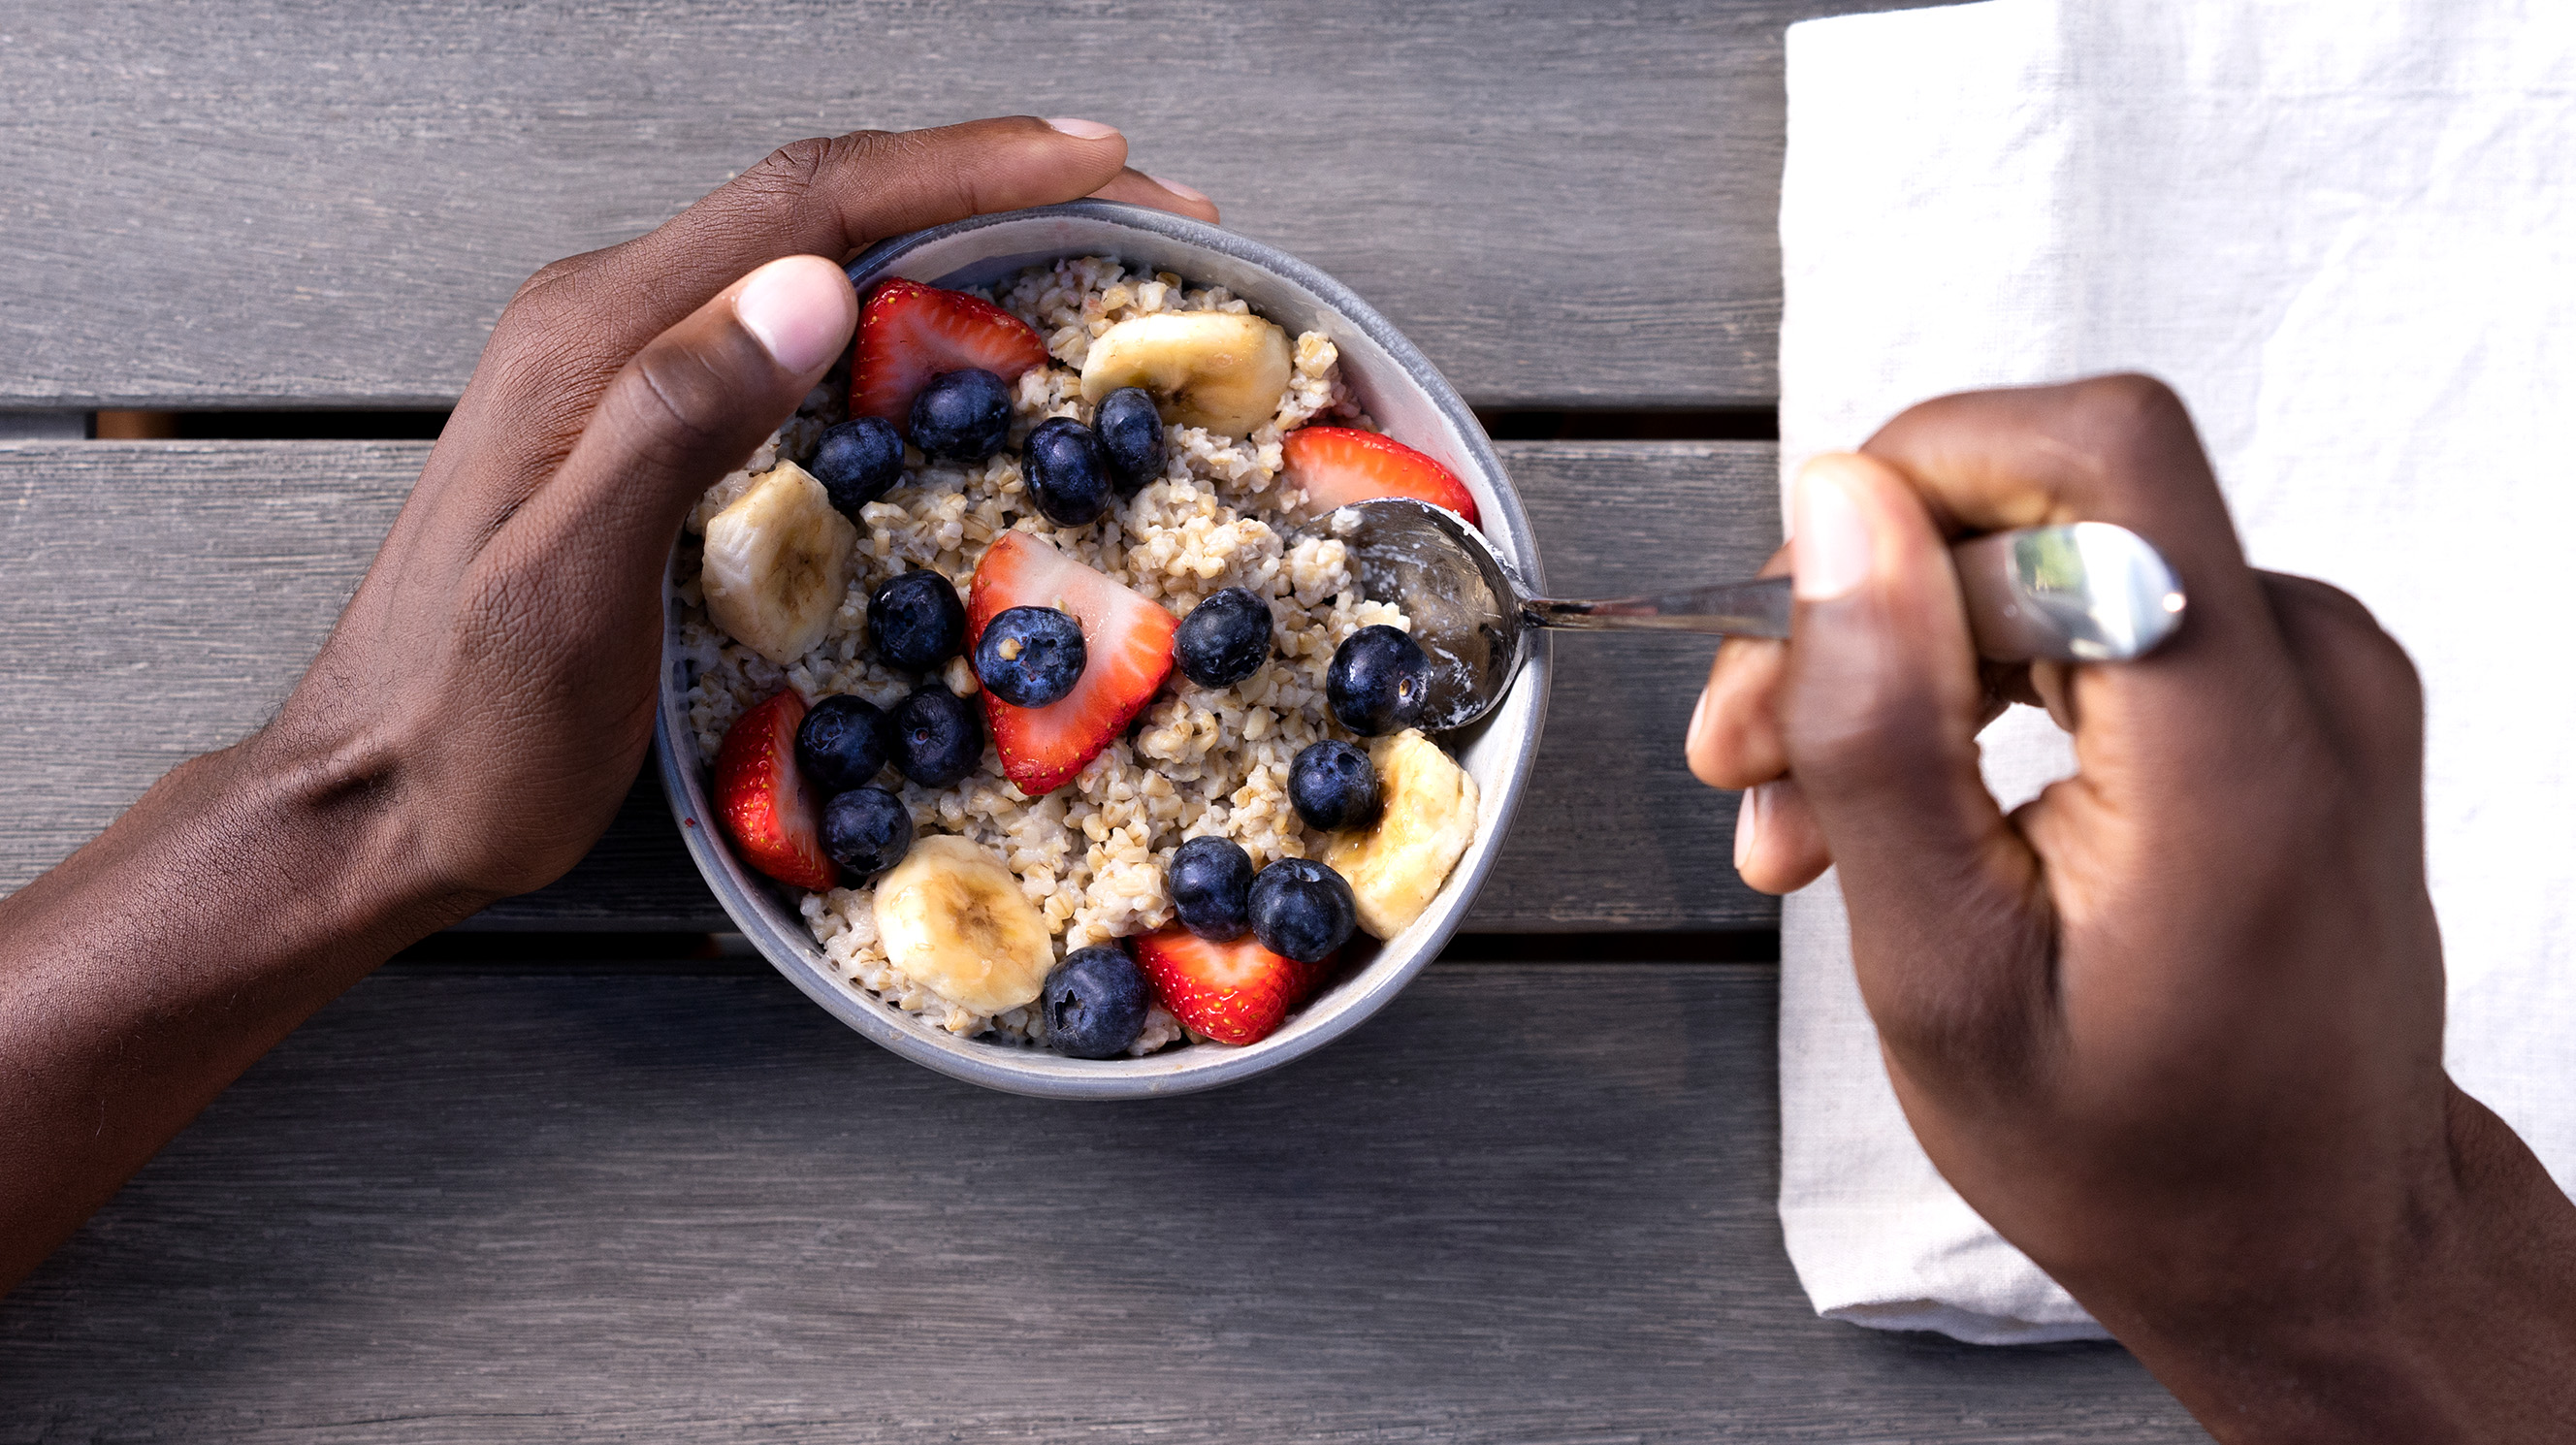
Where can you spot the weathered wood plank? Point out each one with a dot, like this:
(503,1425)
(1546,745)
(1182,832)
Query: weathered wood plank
(292,203)
(615,1205)
(165,595)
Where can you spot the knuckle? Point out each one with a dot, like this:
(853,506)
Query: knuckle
(802,168)
(795,182)
(2367,692)
(2131,414)
(2325,619)
(2324,602)
(549,282)
(793,168)
(558,273)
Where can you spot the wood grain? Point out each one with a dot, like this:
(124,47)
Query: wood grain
(615,1205)
(167,594)
(296,203)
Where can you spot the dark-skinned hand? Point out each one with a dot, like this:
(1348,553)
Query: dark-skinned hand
(2175,1027)
(502,650)
(487,697)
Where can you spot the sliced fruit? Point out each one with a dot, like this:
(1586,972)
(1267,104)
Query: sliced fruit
(1338,465)
(952,916)
(762,800)
(1211,369)
(1234,993)
(1397,867)
(778,563)
(1127,647)
(910,333)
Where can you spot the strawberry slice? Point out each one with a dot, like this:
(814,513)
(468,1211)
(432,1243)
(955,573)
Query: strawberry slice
(1234,993)
(1338,465)
(910,333)
(1126,639)
(763,800)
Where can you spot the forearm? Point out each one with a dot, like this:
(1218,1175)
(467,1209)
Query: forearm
(141,976)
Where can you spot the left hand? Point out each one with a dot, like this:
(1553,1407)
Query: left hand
(494,673)
(484,703)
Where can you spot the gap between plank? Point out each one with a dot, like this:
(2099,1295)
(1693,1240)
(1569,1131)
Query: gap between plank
(1513,424)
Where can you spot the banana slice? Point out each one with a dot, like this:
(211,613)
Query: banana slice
(1210,369)
(778,563)
(952,916)
(1396,867)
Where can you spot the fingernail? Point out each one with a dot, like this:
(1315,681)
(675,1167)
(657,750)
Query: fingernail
(1829,543)
(1082,129)
(1186,193)
(1748,823)
(1699,712)
(798,308)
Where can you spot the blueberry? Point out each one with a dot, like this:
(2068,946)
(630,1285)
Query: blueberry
(1377,681)
(1094,1002)
(1210,880)
(1302,909)
(1030,656)
(1332,786)
(916,621)
(842,743)
(962,416)
(1225,639)
(867,830)
(1066,472)
(937,737)
(1131,433)
(858,461)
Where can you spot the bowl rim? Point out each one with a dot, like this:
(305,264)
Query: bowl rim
(1195,1067)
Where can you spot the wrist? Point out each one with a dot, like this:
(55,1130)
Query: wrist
(287,860)
(2460,1326)
(338,819)
(242,892)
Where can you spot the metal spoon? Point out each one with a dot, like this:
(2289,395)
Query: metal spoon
(2090,592)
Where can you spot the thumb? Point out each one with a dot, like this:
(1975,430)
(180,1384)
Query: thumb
(692,403)
(1880,710)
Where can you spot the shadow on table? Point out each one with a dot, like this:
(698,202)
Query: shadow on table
(1528,1203)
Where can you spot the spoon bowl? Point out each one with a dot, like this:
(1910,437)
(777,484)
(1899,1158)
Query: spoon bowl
(1464,601)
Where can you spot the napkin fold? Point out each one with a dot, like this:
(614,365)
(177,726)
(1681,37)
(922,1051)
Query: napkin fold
(2345,232)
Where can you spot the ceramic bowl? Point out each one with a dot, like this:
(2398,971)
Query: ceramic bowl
(1412,403)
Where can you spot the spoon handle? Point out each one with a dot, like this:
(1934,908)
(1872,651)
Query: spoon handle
(2089,592)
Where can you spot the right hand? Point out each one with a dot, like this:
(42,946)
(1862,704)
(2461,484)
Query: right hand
(2175,1027)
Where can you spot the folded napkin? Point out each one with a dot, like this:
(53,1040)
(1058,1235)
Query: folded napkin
(2345,232)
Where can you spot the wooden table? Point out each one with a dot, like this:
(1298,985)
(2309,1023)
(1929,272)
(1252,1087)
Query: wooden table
(579,1171)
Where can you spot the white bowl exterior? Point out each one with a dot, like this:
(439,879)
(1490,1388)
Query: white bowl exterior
(1409,400)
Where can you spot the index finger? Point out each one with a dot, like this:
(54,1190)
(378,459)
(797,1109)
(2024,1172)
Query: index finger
(825,197)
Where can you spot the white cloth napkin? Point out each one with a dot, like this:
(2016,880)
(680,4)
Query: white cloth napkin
(2345,231)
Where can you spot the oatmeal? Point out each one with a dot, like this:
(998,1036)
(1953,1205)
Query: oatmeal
(1090,856)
